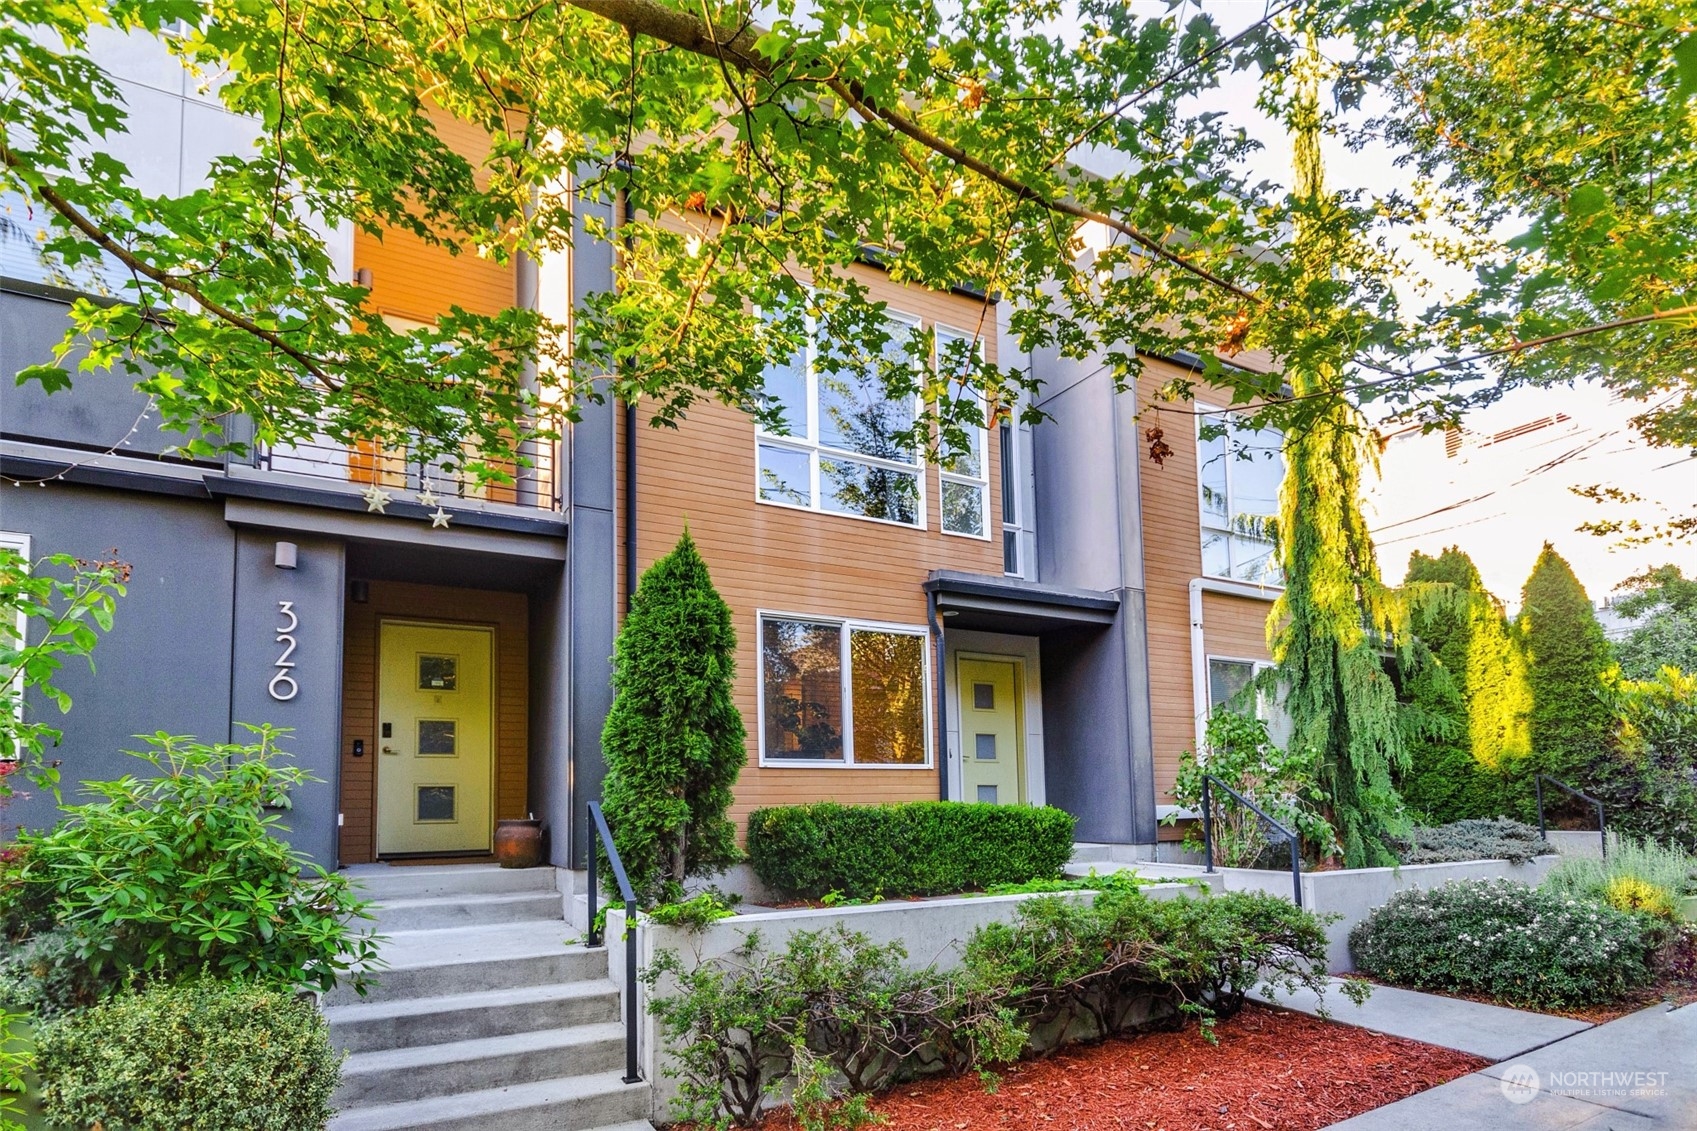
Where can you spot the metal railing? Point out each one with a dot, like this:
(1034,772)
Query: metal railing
(1290,838)
(1538,787)
(534,483)
(596,932)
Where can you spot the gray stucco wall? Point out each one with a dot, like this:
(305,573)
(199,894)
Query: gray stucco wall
(166,663)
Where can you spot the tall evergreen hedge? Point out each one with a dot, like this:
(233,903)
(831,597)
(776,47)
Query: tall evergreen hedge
(674,742)
(1566,654)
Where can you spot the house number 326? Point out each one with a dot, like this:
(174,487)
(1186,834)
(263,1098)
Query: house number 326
(283,686)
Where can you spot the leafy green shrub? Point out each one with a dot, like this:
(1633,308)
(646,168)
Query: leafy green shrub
(697,912)
(1494,838)
(1588,877)
(1284,783)
(15,1060)
(1647,779)
(173,874)
(1516,944)
(673,740)
(913,848)
(743,1025)
(200,1053)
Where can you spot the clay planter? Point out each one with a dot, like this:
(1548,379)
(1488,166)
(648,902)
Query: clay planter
(518,844)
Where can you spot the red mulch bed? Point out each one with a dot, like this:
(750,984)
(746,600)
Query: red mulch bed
(1272,1071)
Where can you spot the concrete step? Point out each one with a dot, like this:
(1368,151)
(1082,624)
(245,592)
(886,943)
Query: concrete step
(383,882)
(412,1022)
(437,912)
(546,1105)
(399,1075)
(439,979)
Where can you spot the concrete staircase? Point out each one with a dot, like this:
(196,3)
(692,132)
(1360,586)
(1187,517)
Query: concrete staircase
(486,1017)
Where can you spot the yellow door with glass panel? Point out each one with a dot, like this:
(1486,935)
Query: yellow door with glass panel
(992,751)
(435,738)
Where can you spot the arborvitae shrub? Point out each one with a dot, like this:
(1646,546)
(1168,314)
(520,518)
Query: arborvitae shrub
(1566,655)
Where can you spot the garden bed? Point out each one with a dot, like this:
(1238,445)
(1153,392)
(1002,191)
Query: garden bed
(1272,1070)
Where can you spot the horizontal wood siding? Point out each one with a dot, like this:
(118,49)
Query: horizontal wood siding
(508,615)
(1172,555)
(778,559)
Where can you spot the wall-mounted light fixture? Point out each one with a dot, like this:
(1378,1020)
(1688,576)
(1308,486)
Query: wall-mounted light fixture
(287,557)
(362,276)
(359,592)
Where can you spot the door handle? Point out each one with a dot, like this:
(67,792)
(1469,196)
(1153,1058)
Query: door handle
(390,750)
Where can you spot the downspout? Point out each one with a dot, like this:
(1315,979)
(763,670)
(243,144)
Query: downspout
(942,699)
(625,217)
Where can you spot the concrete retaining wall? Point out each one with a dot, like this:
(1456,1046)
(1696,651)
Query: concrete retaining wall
(1570,843)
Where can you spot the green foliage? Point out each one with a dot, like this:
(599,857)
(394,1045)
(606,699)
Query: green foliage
(1566,655)
(743,1025)
(64,603)
(1521,946)
(15,1059)
(1588,877)
(175,873)
(911,848)
(1120,880)
(200,1053)
(1282,783)
(1494,838)
(696,913)
(1647,778)
(1475,683)
(673,740)
(1664,602)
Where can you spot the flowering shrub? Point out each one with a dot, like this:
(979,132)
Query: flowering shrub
(1519,945)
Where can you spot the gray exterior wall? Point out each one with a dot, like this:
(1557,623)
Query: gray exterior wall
(1099,748)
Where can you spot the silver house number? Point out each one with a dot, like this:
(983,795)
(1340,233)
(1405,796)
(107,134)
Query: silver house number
(283,686)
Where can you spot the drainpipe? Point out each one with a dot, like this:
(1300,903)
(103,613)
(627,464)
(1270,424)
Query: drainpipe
(942,699)
(625,217)
(1199,644)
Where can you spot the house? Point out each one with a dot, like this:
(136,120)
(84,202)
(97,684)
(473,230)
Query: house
(1044,621)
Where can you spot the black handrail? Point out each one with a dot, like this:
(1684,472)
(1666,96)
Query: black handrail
(1208,832)
(1538,786)
(632,1075)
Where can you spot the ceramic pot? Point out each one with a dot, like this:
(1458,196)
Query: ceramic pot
(518,844)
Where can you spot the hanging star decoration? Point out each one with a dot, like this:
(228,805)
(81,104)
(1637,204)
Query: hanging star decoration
(427,497)
(439,519)
(376,498)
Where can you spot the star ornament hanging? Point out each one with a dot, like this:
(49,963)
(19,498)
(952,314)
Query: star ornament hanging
(376,498)
(427,497)
(439,519)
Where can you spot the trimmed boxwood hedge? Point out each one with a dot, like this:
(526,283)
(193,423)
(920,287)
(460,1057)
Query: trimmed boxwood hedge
(912,848)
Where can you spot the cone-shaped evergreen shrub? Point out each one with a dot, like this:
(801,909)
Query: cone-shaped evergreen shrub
(1566,654)
(674,742)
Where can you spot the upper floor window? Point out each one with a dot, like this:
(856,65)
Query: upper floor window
(965,473)
(1239,473)
(845,445)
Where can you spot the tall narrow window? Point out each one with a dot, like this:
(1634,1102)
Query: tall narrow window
(15,546)
(965,468)
(1006,440)
(1239,472)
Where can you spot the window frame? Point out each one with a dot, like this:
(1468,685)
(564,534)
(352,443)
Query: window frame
(1267,707)
(845,675)
(944,475)
(19,541)
(1203,523)
(816,450)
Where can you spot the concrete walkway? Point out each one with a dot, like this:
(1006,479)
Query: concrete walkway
(1491,1031)
(1639,1072)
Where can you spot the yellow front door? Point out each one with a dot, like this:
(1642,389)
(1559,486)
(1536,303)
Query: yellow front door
(992,753)
(434,738)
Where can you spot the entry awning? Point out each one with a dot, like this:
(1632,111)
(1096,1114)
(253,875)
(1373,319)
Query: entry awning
(986,603)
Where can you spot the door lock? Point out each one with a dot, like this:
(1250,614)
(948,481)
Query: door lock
(390,750)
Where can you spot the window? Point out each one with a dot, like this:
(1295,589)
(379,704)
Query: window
(1006,441)
(1239,474)
(843,693)
(844,446)
(1228,679)
(13,636)
(965,477)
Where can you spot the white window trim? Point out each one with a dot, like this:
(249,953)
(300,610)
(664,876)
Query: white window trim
(14,540)
(816,450)
(847,624)
(982,480)
(1203,523)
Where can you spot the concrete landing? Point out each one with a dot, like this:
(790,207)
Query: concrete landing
(1637,1072)
(1491,1031)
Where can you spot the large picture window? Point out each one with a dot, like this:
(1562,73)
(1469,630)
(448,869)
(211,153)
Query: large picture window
(844,445)
(842,693)
(1239,473)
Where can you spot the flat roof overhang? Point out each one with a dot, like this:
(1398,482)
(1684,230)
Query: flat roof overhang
(984,603)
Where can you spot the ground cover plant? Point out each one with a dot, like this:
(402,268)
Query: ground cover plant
(1658,874)
(204,1053)
(1494,838)
(906,849)
(1066,969)
(1512,943)
(174,875)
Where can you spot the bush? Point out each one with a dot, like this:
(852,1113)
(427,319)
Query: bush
(1515,944)
(1668,870)
(1284,783)
(744,1025)
(1566,655)
(201,1053)
(913,848)
(1495,838)
(1648,780)
(177,873)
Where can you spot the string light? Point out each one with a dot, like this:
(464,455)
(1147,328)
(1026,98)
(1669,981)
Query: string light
(146,411)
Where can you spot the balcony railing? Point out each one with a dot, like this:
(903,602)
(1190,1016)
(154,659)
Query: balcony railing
(533,485)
